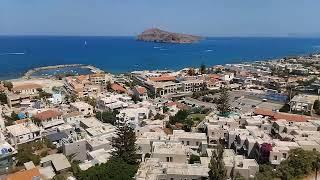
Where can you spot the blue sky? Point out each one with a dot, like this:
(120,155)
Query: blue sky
(130,17)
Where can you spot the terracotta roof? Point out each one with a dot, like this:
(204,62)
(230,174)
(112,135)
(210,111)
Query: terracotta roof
(279,115)
(81,78)
(163,78)
(24,175)
(171,104)
(26,86)
(264,112)
(118,88)
(48,114)
(141,90)
(22,121)
(291,117)
(214,76)
(102,75)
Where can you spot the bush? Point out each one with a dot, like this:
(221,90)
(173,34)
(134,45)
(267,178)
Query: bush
(114,169)
(194,159)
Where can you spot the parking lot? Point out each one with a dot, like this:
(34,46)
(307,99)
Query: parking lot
(244,101)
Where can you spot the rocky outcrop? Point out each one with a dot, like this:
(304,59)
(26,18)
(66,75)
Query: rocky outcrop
(158,35)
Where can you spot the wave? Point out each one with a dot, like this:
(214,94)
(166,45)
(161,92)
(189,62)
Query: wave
(208,50)
(163,49)
(14,53)
(156,47)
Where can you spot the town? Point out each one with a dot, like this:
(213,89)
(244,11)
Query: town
(258,120)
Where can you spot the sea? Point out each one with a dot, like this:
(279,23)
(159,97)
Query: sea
(125,54)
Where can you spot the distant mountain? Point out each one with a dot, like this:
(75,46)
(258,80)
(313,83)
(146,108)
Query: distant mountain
(158,35)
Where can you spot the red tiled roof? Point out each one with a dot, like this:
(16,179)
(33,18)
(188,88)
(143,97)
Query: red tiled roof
(214,76)
(171,104)
(48,114)
(163,78)
(24,175)
(290,117)
(264,112)
(22,121)
(141,90)
(118,88)
(279,115)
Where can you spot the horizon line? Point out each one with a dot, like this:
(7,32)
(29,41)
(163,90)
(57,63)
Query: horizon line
(124,36)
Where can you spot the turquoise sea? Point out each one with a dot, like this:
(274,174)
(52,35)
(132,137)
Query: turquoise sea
(124,54)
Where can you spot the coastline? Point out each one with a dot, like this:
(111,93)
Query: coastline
(29,73)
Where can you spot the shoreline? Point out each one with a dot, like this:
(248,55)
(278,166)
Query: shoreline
(28,74)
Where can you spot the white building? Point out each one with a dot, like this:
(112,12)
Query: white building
(247,168)
(85,108)
(155,169)
(23,133)
(133,116)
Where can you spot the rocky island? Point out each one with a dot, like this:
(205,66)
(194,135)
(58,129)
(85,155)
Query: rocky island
(158,35)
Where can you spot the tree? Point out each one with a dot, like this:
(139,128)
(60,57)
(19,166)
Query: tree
(8,85)
(124,145)
(194,159)
(203,69)
(224,106)
(107,116)
(3,98)
(300,163)
(25,154)
(216,166)
(114,169)
(191,72)
(90,100)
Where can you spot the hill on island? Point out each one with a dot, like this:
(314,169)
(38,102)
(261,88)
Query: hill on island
(158,35)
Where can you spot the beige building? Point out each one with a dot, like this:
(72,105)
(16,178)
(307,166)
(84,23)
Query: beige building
(100,78)
(82,107)
(155,169)
(23,133)
(190,139)
(170,152)
(247,168)
(26,89)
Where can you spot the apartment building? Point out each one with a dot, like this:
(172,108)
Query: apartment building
(50,119)
(82,107)
(100,78)
(234,164)
(26,88)
(155,169)
(174,152)
(190,139)
(23,133)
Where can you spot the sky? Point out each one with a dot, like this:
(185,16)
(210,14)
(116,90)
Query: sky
(130,17)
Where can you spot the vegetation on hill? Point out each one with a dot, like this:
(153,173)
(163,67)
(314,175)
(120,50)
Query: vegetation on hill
(157,35)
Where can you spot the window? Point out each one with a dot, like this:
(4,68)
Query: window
(284,155)
(188,143)
(265,128)
(275,158)
(169,159)
(197,143)
(182,142)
